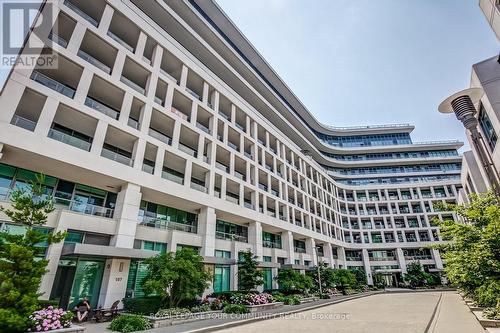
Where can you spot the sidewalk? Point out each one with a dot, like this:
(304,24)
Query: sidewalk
(212,324)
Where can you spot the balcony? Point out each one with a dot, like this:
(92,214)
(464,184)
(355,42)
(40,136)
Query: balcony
(169,225)
(272,245)
(299,249)
(23,123)
(198,186)
(203,128)
(90,59)
(83,207)
(231,237)
(133,123)
(188,150)
(102,108)
(58,40)
(194,94)
(110,153)
(120,41)
(160,136)
(69,139)
(221,166)
(133,85)
(53,84)
(179,114)
(172,175)
(80,12)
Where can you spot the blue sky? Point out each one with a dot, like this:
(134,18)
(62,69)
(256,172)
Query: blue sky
(371,62)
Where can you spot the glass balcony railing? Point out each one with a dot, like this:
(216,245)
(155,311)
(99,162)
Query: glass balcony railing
(272,245)
(120,41)
(114,156)
(172,177)
(83,207)
(148,168)
(133,85)
(133,123)
(225,116)
(188,150)
(230,236)
(58,40)
(80,12)
(249,205)
(221,166)
(69,139)
(299,249)
(203,128)
(53,84)
(232,145)
(198,187)
(233,199)
(169,225)
(102,108)
(160,136)
(168,75)
(90,59)
(159,101)
(192,93)
(179,114)
(23,123)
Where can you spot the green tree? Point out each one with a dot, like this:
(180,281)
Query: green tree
(177,277)
(326,274)
(249,276)
(21,271)
(344,279)
(292,281)
(472,254)
(360,278)
(415,275)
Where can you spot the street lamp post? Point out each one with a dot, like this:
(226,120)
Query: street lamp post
(319,272)
(462,104)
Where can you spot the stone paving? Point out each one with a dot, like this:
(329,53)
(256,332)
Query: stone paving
(412,312)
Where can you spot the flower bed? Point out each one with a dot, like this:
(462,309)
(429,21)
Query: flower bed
(264,307)
(52,319)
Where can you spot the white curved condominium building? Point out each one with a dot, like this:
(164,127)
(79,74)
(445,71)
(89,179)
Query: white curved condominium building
(162,127)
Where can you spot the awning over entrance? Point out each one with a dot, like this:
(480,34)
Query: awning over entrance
(105,251)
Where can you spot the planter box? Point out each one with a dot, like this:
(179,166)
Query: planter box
(157,322)
(264,307)
(308,300)
(72,329)
(491,323)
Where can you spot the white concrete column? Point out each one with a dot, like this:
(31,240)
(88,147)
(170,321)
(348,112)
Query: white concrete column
(206,227)
(187,173)
(83,86)
(184,76)
(76,38)
(327,250)
(160,157)
(366,264)
(138,153)
(114,282)
(255,238)
(342,262)
(126,212)
(116,73)
(46,116)
(437,258)
(401,260)
(287,238)
(99,137)
(125,109)
(141,44)
(106,17)
(145,118)
(311,249)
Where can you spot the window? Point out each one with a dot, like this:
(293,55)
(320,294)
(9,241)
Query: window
(151,246)
(223,254)
(267,258)
(487,128)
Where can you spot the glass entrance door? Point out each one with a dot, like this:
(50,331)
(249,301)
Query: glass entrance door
(221,278)
(87,282)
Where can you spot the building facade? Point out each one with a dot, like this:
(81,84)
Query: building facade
(162,128)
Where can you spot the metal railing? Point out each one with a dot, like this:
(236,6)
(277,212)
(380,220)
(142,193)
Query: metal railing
(117,157)
(158,223)
(193,93)
(159,101)
(232,145)
(188,150)
(203,127)
(133,85)
(120,41)
(299,249)
(366,127)
(229,236)
(168,75)
(133,123)
(53,84)
(81,13)
(23,123)
(102,108)
(69,139)
(225,116)
(160,136)
(90,59)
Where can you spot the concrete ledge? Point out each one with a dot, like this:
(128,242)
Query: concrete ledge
(264,307)
(478,313)
(308,299)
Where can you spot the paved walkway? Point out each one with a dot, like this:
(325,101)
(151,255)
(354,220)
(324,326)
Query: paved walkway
(388,313)
(411,312)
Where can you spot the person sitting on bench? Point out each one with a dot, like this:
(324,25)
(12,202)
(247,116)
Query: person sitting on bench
(82,309)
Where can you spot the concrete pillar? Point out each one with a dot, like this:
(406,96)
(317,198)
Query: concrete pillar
(127,211)
(437,258)
(401,260)
(114,282)
(287,238)
(206,227)
(342,262)
(76,38)
(366,264)
(46,116)
(311,249)
(99,137)
(107,15)
(255,238)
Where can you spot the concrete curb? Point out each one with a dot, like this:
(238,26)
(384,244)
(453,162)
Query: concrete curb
(277,315)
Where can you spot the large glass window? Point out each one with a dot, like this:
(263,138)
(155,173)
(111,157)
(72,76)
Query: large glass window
(230,231)
(487,127)
(268,278)
(136,274)
(222,275)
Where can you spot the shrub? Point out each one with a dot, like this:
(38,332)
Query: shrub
(292,300)
(171,312)
(50,319)
(129,323)
(292,281)
(492,313)
(251,299)
(45,303)
(146,305)
(200,308)
(235,308)
(488,294)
